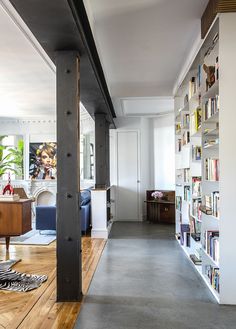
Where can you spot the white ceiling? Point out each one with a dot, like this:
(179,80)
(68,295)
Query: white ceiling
(27,77)
(143,44)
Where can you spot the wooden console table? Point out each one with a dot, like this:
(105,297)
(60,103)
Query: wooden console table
(161,211)
(15,218)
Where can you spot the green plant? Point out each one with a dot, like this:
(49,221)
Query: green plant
(13,160)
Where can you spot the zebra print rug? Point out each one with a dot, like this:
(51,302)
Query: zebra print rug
(7,264)
(16,281)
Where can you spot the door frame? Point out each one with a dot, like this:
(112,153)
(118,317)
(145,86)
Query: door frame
(117,131)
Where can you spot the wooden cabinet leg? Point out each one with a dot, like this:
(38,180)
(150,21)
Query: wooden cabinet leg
(7,242)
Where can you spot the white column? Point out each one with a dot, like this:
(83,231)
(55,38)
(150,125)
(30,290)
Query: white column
(99,213)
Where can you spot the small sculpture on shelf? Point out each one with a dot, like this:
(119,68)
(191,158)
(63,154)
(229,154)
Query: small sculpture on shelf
(8,189)
(210,80)
(8,192)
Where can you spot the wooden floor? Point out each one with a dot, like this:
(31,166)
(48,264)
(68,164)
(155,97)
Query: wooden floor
(38,308)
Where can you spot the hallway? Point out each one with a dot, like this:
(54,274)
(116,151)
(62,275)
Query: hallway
(144,281)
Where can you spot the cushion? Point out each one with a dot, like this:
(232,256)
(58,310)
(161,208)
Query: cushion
(85,197)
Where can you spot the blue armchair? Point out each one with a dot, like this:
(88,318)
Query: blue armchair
(46,215)
(45,218)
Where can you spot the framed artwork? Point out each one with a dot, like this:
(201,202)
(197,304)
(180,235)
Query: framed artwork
(43,160)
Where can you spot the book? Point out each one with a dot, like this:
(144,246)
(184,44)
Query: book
(213,274)
(196,236)
(205,210)
(196,187)
(195,260)
(212,169)
(9,197)
(212,204)
(196,153)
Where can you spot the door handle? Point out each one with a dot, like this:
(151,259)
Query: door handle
(138,181)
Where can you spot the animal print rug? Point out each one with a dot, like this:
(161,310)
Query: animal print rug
(16,281)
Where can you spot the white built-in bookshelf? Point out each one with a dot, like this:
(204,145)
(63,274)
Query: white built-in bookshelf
(205,125)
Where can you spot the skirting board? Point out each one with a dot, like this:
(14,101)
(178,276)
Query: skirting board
(102,234)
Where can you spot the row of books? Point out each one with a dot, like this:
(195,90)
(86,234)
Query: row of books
(196,187)
(211,244)
(177,128)
(179,203)
(196,153)
(186,137)
(186,175)
(213,273)
(185,120)
(196,208)
(212,169)
(195,121)
(179,145)
(211,107)
(192,87)
(187,193)
(212,202)
(185,234)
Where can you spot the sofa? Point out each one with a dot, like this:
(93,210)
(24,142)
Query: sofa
(46,215)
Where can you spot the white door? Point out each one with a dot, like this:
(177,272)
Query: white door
(127,176)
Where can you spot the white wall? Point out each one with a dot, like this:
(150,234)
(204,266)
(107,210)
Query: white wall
(164,153)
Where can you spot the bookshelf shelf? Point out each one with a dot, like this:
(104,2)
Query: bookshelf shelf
(197,133)
(211,155)
(214,90)
(212,132)
(195,217)
(211,146)
(198,269)
(212,290)
(211,216)
(210,258)
(195,97)
(211,181)
(213,118)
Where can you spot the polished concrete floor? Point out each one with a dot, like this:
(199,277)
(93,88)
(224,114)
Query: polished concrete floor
(145,281)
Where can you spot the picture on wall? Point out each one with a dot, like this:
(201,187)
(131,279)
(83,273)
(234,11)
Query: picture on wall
(43,160)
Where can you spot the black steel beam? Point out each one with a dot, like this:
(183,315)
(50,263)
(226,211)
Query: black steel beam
(63,25)
(69,283)
(102,151)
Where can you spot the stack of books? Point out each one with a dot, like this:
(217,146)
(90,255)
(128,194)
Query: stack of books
(9,197)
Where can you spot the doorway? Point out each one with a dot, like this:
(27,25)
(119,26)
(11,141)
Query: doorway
(128,184)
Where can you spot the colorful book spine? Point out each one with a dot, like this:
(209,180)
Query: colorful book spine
(212,244)
(213,274)
(196,187)
(212,169)
(211,107)
(196,153)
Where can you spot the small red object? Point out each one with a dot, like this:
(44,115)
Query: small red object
(8,187)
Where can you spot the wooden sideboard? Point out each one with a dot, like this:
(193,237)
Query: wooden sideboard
(161,210)
(15,218)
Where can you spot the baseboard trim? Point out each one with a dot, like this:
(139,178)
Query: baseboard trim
(99,234)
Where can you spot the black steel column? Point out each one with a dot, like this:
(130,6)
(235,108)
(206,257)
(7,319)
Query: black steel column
(102,151)
(69,283)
